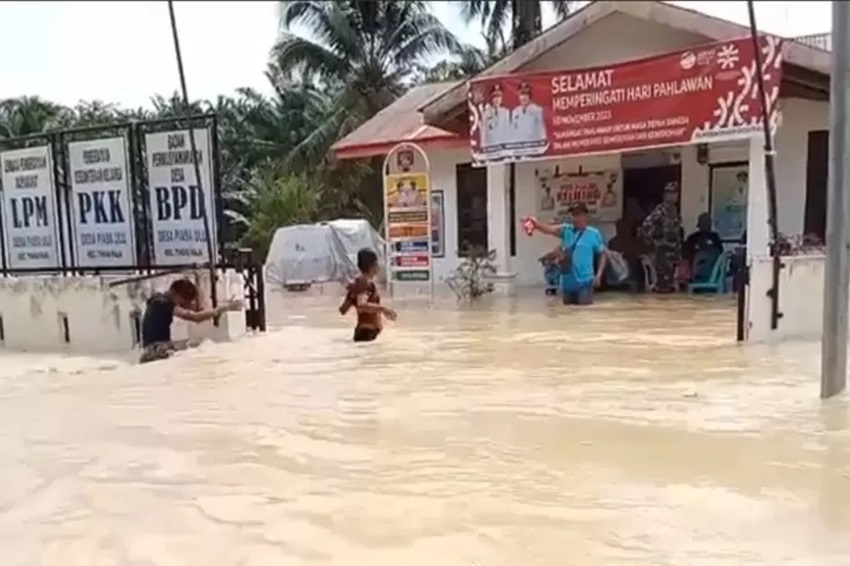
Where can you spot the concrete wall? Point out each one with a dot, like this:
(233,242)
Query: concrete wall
(800,299)
(617,38)
(36,309)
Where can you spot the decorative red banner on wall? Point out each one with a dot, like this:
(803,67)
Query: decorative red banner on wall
(704,94)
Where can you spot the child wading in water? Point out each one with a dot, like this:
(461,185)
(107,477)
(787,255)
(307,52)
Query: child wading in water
(363,295)
(181,301)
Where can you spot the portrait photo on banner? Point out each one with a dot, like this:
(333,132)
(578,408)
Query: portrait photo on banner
(508,117)
(729,185)
(601,191)
(406,191)
(438,226)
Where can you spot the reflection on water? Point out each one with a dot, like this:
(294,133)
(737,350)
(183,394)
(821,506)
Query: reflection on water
(522,433)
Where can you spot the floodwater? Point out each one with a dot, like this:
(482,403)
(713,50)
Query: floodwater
(518,432)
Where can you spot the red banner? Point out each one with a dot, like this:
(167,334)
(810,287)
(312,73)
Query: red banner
(703,94)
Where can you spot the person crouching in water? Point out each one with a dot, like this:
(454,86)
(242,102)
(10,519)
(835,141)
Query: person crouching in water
(179,301)
(363,294)
(580,244)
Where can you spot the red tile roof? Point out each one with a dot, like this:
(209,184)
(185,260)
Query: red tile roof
(400,122)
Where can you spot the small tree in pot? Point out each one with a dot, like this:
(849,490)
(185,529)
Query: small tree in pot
(469,280)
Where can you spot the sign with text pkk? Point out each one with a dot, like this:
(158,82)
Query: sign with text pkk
(707,93)
(100,199)
(29,213)
(176,201)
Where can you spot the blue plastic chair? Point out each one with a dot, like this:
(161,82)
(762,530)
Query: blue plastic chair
(703,265)
(716,282)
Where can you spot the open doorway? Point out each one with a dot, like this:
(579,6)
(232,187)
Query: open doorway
(643,190)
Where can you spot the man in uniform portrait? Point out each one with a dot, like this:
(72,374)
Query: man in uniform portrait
(497,120)
(527,119)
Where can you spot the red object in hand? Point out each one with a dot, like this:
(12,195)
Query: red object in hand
(528,225)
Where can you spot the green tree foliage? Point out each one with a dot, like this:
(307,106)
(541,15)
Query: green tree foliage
(523,18)
(335,64)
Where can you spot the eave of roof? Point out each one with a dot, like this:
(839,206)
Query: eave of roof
(445,102)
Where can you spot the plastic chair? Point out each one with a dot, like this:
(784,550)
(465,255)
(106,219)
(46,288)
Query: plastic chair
(703,266)
(716,283)
(650,277)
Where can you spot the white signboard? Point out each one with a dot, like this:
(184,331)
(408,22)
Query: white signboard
(100,199)
(176,204)
(600,191)
(29,213)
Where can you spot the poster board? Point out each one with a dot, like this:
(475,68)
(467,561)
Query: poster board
(407,218)
(176,203)
(30,223)
(100,203)
(601,191)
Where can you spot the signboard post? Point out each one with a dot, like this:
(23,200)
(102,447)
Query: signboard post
(407,217)
(177,202)
(100,201)
(29,209)
(704,94)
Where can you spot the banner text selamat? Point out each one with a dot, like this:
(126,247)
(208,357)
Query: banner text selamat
(597,88)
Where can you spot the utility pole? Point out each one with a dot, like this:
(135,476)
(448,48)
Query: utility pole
(837,274)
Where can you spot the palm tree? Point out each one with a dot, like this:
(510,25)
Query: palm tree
(364,52)
(523,16)
(469,62)
(28,115)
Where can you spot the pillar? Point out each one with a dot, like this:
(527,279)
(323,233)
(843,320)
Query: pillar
(498,232)
(758,231)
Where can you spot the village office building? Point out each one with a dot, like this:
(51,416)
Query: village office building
(484,205)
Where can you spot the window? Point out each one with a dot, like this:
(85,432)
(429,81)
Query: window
(471,185)
(817,168)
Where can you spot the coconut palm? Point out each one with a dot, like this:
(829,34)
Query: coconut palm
(522,17)
(364,52)
(28,115)
(467,63)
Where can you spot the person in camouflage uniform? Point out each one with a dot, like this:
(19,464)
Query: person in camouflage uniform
(662,229)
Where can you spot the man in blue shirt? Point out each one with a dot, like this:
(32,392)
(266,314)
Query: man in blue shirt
(581,244)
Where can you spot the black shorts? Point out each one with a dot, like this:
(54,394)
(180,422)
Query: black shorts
(365,334)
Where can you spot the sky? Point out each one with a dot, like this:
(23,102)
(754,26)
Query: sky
(122,51)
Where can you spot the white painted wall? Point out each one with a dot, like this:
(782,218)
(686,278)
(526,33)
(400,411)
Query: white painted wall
(800,299)
(99,317)
(616,38)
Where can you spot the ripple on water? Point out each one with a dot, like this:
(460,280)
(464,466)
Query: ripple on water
(513,432)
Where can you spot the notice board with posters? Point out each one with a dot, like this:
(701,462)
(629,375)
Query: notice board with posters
(707,93)
(30,222)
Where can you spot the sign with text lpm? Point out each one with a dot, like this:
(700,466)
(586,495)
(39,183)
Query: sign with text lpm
(100,200)
(704,94)
(176,200)
(29,213)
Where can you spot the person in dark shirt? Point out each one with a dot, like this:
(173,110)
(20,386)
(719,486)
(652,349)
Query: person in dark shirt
(181,301)
(362,294)
(703,241)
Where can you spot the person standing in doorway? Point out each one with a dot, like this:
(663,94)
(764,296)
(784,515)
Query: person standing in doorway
(580,246)
(662,229)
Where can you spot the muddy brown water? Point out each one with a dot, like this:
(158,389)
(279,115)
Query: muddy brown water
(517,432)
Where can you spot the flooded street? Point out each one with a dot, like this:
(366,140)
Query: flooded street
(517,433)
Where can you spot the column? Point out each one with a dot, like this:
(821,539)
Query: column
(498,235)
(758,231)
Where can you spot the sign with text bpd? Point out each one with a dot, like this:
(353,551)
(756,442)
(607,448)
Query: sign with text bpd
(100,200)
(176,203)
(29,213)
